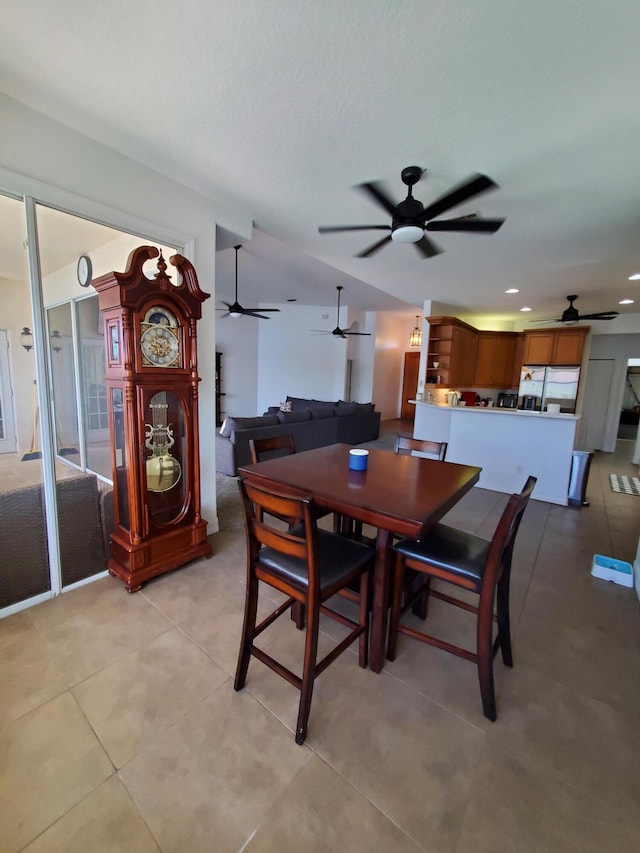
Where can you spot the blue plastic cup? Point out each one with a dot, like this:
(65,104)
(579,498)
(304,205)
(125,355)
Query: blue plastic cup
(358,459)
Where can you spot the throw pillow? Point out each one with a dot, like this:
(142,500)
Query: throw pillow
(286,406)
(293,417)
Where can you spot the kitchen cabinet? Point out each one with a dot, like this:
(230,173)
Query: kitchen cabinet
(554,346)
(453,345)
(495,359)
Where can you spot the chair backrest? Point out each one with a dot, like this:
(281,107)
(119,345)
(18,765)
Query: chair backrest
(438,449)
(262,508)
(259,447)
(501,547)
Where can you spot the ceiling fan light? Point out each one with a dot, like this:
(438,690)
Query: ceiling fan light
(407,234)
(235,314)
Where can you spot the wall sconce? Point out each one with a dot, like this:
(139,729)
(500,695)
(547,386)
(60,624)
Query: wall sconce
(56,341)
(26,338)
(415,338)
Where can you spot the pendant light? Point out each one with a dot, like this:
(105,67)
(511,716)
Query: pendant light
(415,338)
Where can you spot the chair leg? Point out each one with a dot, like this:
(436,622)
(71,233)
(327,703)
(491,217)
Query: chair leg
(308,672)
(248,628)
(504,629)
(396,606)
(485,659)
(421,604)
(298,614)
(364,620)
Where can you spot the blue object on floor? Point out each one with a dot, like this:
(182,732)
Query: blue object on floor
(609,569)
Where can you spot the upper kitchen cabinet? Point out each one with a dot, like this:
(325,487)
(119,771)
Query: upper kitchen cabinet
(452,351)
(495,359)
(554,346)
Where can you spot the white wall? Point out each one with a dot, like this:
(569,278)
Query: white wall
(237,341)
(621,348)
(16,313)
(41,157)
(296,361)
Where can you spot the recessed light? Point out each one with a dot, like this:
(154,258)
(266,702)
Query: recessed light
(512,290)
(525,309)
(625,302)
(634,277)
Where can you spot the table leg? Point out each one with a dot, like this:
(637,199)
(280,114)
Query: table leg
(380,600)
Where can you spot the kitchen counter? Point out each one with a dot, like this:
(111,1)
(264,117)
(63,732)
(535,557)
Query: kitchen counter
(509,444)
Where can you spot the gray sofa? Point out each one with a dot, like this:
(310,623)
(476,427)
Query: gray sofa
(313,423)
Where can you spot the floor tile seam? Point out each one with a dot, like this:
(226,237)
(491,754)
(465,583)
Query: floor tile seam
(545,770)
(70,809)
(138,809)
(40,704)
(435,702)
(368,799)
(119,658)
(159,730)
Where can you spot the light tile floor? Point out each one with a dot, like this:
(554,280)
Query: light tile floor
(120,729)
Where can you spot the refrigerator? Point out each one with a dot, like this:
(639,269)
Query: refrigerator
(540,386)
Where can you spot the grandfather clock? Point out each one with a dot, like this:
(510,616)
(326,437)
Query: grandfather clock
(152,393)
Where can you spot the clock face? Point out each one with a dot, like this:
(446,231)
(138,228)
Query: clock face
(159,345)
(84,270)
(158,315)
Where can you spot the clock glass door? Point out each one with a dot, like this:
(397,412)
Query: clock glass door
(165,450)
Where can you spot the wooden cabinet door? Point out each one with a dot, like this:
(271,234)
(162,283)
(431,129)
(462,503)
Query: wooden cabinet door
(518,361)
(495,359)
(568,346)
(538,347)
(463,356)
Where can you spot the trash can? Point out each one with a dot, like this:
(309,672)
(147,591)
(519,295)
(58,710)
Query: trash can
(580,464)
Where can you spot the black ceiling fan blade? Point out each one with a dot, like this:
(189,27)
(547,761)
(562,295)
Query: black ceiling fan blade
(264,310)
(347,332)
(471,226)
(332,229)
(374,247)
(601,315)
(468,189)
(248,313)
(427,248)
(379,195)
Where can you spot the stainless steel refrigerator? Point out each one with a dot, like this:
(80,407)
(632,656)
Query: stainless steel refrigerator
(540,386)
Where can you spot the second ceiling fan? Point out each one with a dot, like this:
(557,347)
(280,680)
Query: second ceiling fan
(234,309)
(410,219)
(338,332)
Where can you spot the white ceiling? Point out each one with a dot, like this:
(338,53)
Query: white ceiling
(287,106)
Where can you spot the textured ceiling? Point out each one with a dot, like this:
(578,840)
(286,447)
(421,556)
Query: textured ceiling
(286,106)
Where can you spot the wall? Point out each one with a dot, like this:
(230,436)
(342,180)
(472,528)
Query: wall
(237,340)
(621,348)
(43,158)
(295,360)
(16,311)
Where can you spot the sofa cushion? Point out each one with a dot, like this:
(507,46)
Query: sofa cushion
(364,408)
(232,424)
(324,404)
(318,412)
(345,408)
(299,404)
(293,417)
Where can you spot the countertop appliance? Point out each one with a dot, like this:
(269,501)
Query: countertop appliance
(540,385)
(507,401)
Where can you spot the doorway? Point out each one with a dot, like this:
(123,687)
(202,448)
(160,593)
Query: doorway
(409,384)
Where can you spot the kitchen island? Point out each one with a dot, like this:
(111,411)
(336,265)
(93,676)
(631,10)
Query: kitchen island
(508,444)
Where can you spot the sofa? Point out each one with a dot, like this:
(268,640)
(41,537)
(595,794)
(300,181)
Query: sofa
(313,423)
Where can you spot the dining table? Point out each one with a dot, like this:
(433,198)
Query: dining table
(397,494)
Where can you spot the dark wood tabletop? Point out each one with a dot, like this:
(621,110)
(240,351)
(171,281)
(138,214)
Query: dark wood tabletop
(397,494)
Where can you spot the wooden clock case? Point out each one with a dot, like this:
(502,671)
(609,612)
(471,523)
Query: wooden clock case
(152,397)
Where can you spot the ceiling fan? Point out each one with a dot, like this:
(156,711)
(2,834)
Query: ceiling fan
(338,332)
(236,310)
(571,315)
(410,219)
